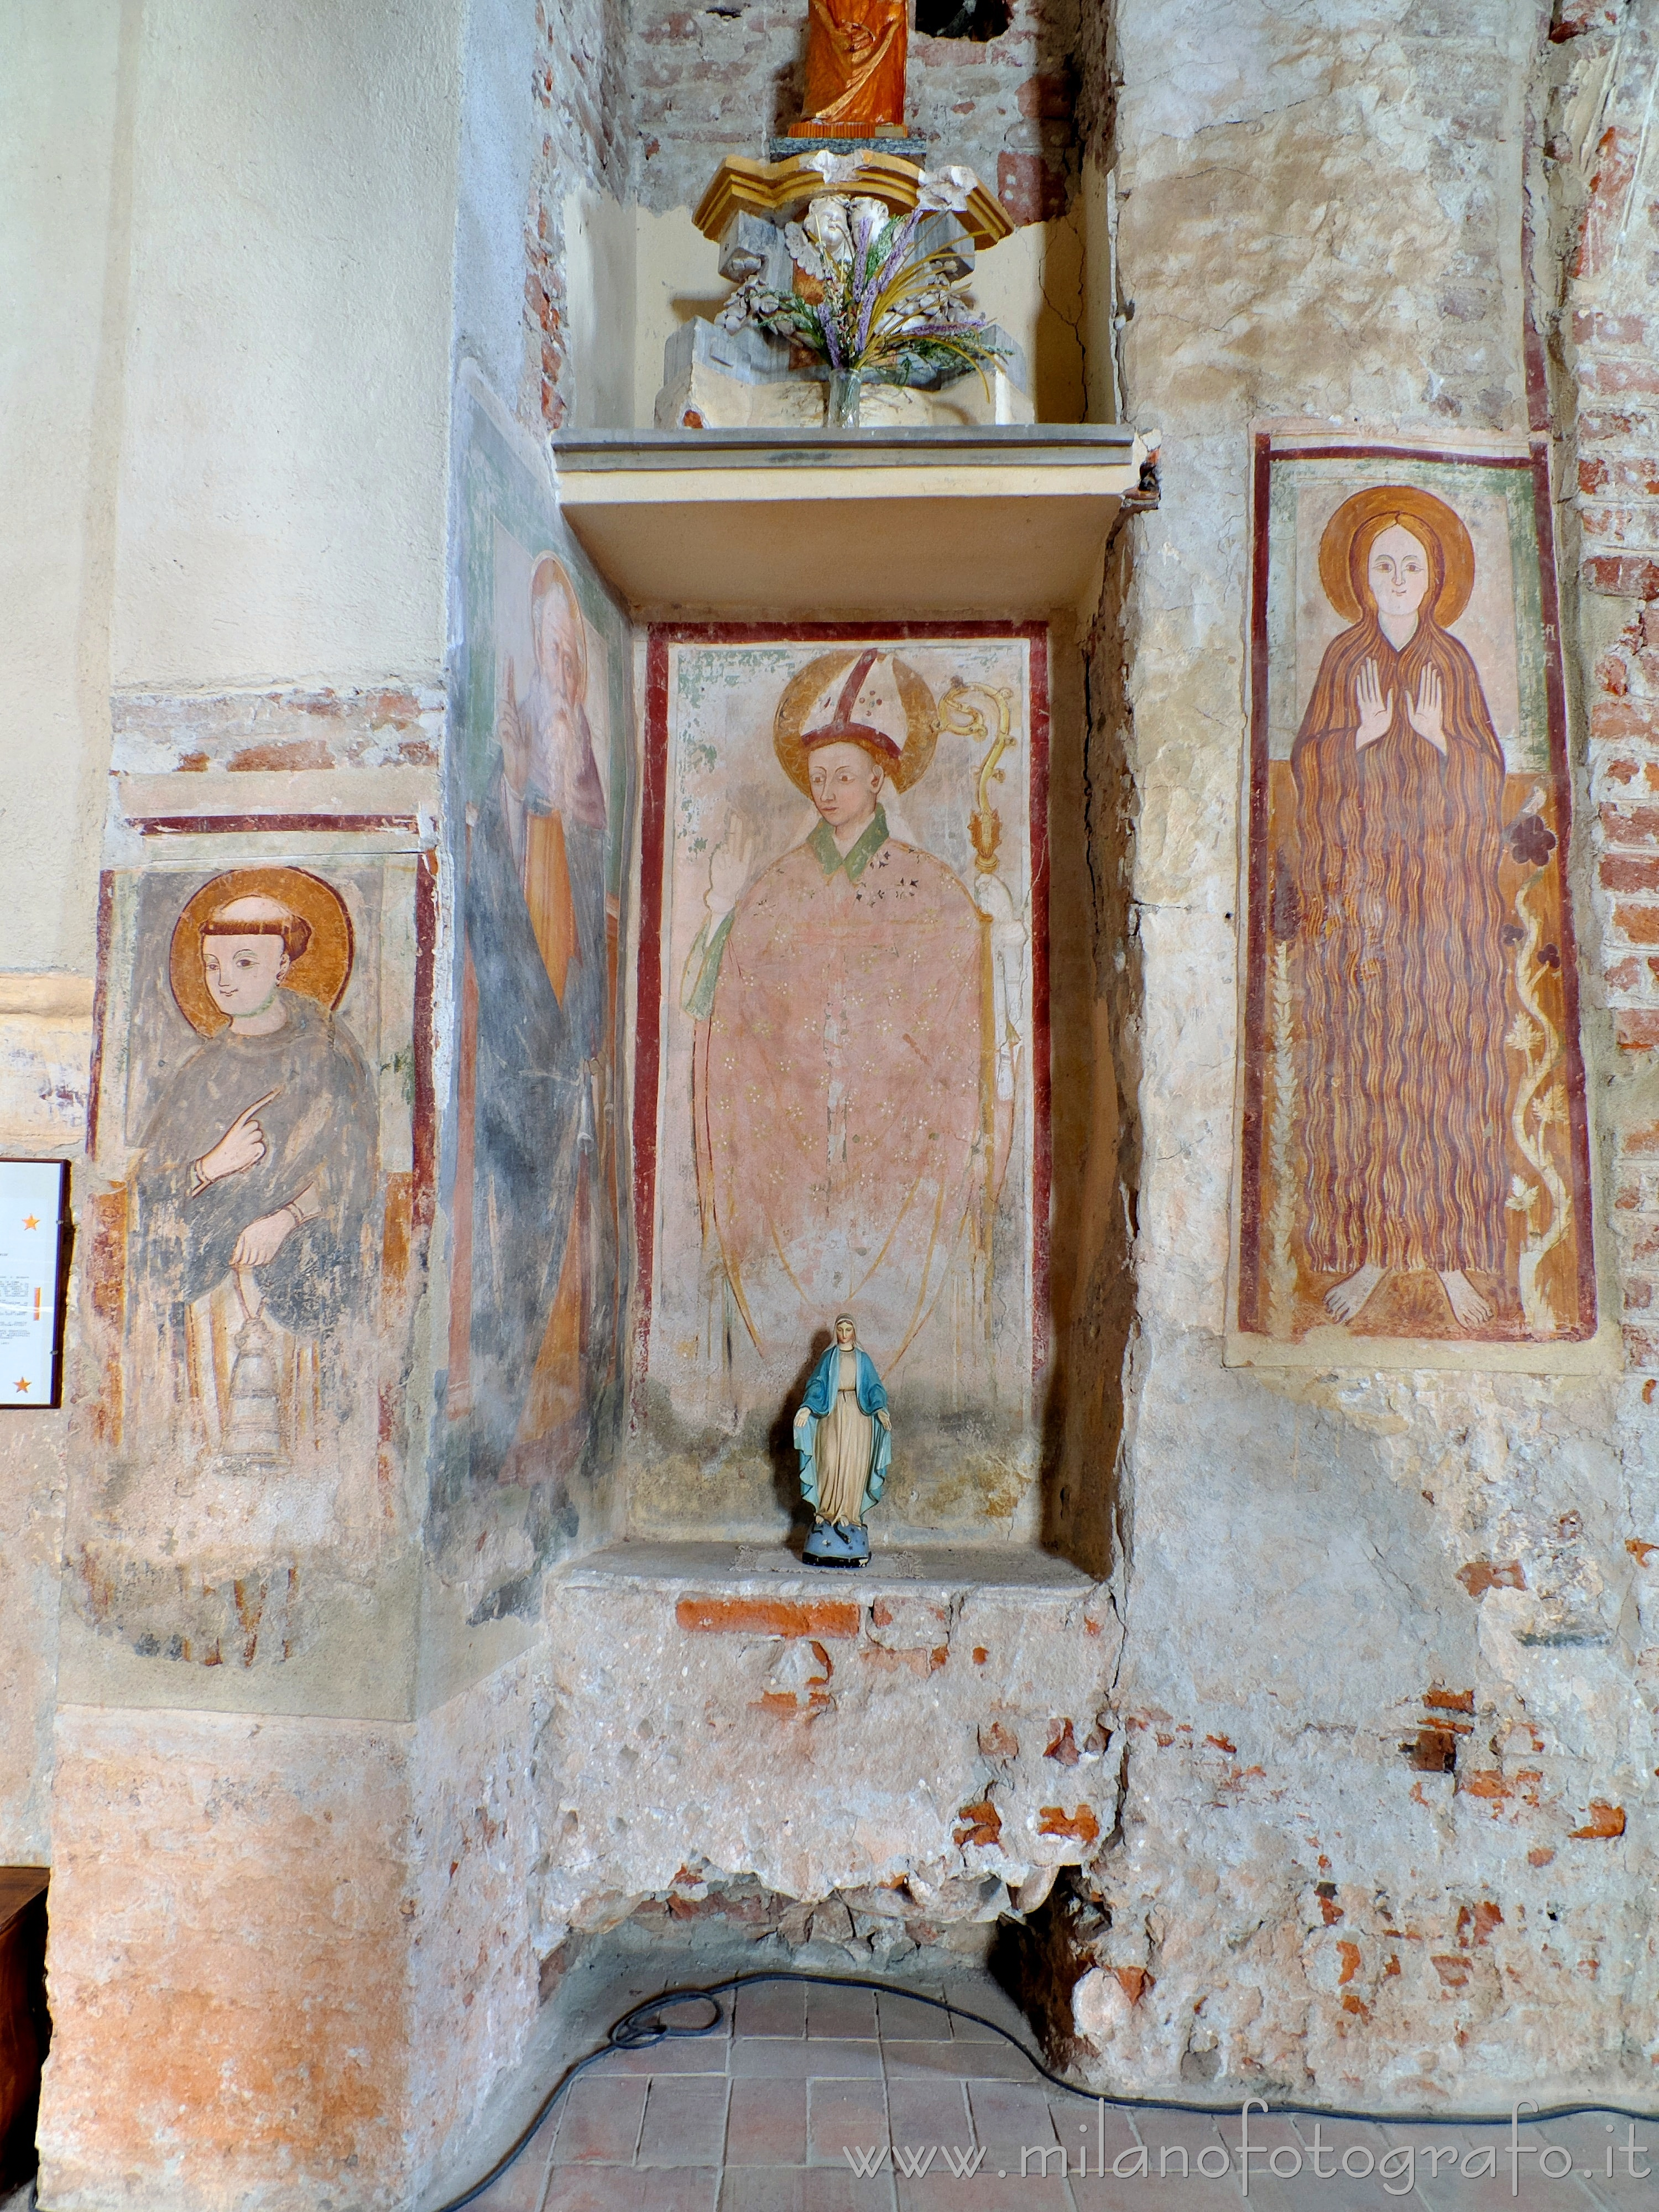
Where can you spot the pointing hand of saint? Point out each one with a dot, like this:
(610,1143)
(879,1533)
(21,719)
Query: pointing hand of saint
(1427,712)
(241,1147)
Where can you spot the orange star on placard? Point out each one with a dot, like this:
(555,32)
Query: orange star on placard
(31,1221)
(22,1383)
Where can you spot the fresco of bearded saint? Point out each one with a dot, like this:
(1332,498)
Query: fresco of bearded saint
(538,944)
(846,1130)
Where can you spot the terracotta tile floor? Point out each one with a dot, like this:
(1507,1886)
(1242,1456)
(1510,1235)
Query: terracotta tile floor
(761,2117)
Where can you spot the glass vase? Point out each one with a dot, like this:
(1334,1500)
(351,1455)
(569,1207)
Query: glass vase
(845,386)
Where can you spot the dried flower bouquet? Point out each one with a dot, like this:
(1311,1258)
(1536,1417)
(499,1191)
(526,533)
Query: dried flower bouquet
(870,301)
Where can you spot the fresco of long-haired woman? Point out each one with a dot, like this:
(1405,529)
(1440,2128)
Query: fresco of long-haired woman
(1413,1182)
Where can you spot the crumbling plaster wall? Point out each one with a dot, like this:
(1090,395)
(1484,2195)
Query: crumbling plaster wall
(1384,1823)
(917,1747)
(287,1955)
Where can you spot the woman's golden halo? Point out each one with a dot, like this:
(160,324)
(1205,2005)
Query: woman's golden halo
(920,718)
(322,970)
(1419,510)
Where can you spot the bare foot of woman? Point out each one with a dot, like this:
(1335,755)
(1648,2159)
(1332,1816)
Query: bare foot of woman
(1346,1299)
(1467,1302)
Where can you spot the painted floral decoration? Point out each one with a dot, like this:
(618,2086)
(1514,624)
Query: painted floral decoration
(1532,840)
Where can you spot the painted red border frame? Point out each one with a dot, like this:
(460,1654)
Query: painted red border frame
(1535,462)
(649,1013)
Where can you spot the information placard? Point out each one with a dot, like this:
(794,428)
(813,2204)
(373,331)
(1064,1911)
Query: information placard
(33,1209)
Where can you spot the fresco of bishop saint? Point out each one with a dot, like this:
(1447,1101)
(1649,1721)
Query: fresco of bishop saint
(847,1135)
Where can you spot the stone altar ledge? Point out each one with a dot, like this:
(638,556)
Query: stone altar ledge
(742,1568)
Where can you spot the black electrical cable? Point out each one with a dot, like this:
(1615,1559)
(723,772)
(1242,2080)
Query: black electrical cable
(642,2026)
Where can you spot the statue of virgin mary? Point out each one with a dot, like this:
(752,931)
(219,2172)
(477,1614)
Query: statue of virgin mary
(844,1435)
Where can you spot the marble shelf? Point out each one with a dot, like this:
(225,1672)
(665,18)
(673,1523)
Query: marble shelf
(1009,521)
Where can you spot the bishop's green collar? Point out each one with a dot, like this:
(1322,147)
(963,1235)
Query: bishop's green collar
(829,858)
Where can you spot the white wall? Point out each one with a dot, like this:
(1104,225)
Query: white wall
(283,463)
(501,126)
(59,381)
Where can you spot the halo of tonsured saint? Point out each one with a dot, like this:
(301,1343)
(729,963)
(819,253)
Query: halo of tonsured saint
(788,728)
(322,970)
(1418,511)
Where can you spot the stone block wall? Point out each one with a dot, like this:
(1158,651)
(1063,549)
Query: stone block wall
(1373,1625)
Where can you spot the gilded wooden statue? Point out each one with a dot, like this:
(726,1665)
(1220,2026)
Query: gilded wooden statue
(855,52)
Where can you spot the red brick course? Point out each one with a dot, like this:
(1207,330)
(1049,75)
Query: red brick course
(1612,351)
(761,1616)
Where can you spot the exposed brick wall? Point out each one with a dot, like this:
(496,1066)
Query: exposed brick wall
(579,66)
(1636,1223)
(1623,721)
(1625,774)
(1609,358)
(711,81)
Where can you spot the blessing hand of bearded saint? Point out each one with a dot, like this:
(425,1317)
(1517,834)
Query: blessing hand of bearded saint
(514,735)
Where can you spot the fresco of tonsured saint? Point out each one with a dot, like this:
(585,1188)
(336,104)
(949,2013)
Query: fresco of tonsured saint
(1409,1156)
(847,1136)
(257,1173)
